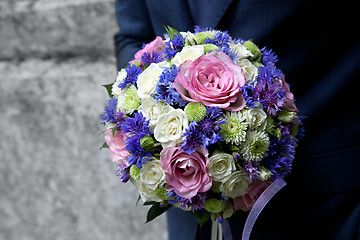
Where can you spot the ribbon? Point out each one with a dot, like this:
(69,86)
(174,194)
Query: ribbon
(270,191)
(216,231)
(260,204)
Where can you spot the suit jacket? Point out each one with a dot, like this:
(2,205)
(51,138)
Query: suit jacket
(319,52)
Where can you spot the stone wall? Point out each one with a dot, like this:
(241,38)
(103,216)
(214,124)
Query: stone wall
(55,183)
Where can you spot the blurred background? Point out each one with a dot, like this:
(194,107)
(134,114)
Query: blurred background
(55,183)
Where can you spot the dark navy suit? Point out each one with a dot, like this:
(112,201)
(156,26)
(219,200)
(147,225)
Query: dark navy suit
(319,52)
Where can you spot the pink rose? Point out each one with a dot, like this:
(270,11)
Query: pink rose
(247,201)
(154,46)
(290,102)
(212,79)
(186,174)
(116,143)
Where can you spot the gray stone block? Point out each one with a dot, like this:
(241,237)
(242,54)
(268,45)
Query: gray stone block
(61,29)
(55,183)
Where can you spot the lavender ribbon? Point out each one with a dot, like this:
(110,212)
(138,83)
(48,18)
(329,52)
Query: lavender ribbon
(260,204)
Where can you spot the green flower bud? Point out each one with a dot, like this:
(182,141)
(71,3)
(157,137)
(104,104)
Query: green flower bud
(161,193)
(286,116)
(254,50)
(195,111)
(147,142)
(134,172)
(210,47)
(213,205)
(265,174)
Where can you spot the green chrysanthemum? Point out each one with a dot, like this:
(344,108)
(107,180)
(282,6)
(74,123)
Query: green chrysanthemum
(234,131)
(195,111)
(131,100)
(255,146)
(214,205)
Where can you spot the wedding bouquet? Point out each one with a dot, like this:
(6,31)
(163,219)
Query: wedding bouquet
(201,121)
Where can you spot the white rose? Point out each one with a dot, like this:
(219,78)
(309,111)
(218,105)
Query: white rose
(147,80)
(241,50)
(151,109)
(235,185)
(220,166)
(152,175)
(146,194)
(115,90)
(188,53)
(170,127)
(256,117)
(250,70)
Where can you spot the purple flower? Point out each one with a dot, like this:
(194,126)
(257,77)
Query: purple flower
(204,132)
(189,204)
(123,171)
(270,94)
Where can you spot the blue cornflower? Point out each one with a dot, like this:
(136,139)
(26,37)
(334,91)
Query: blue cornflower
(198,29)
(108,115)
(165,91)
(248,91)
(268,73)
(189,204)
(221,39)
(280,156)
(204,132)
(136,127)
(154,57)
(268,57)
(132,72)
(173,46)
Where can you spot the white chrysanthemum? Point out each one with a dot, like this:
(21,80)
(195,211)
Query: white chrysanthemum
(255,146)
(234,130)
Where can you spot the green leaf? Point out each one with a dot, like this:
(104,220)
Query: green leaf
(156,210)
(109,88)
(201,217)
(171,31)
(138,200)
(104,146)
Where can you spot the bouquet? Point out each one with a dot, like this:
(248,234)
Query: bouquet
(201,121)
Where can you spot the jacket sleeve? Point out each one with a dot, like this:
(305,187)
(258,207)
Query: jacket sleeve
(135,29)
